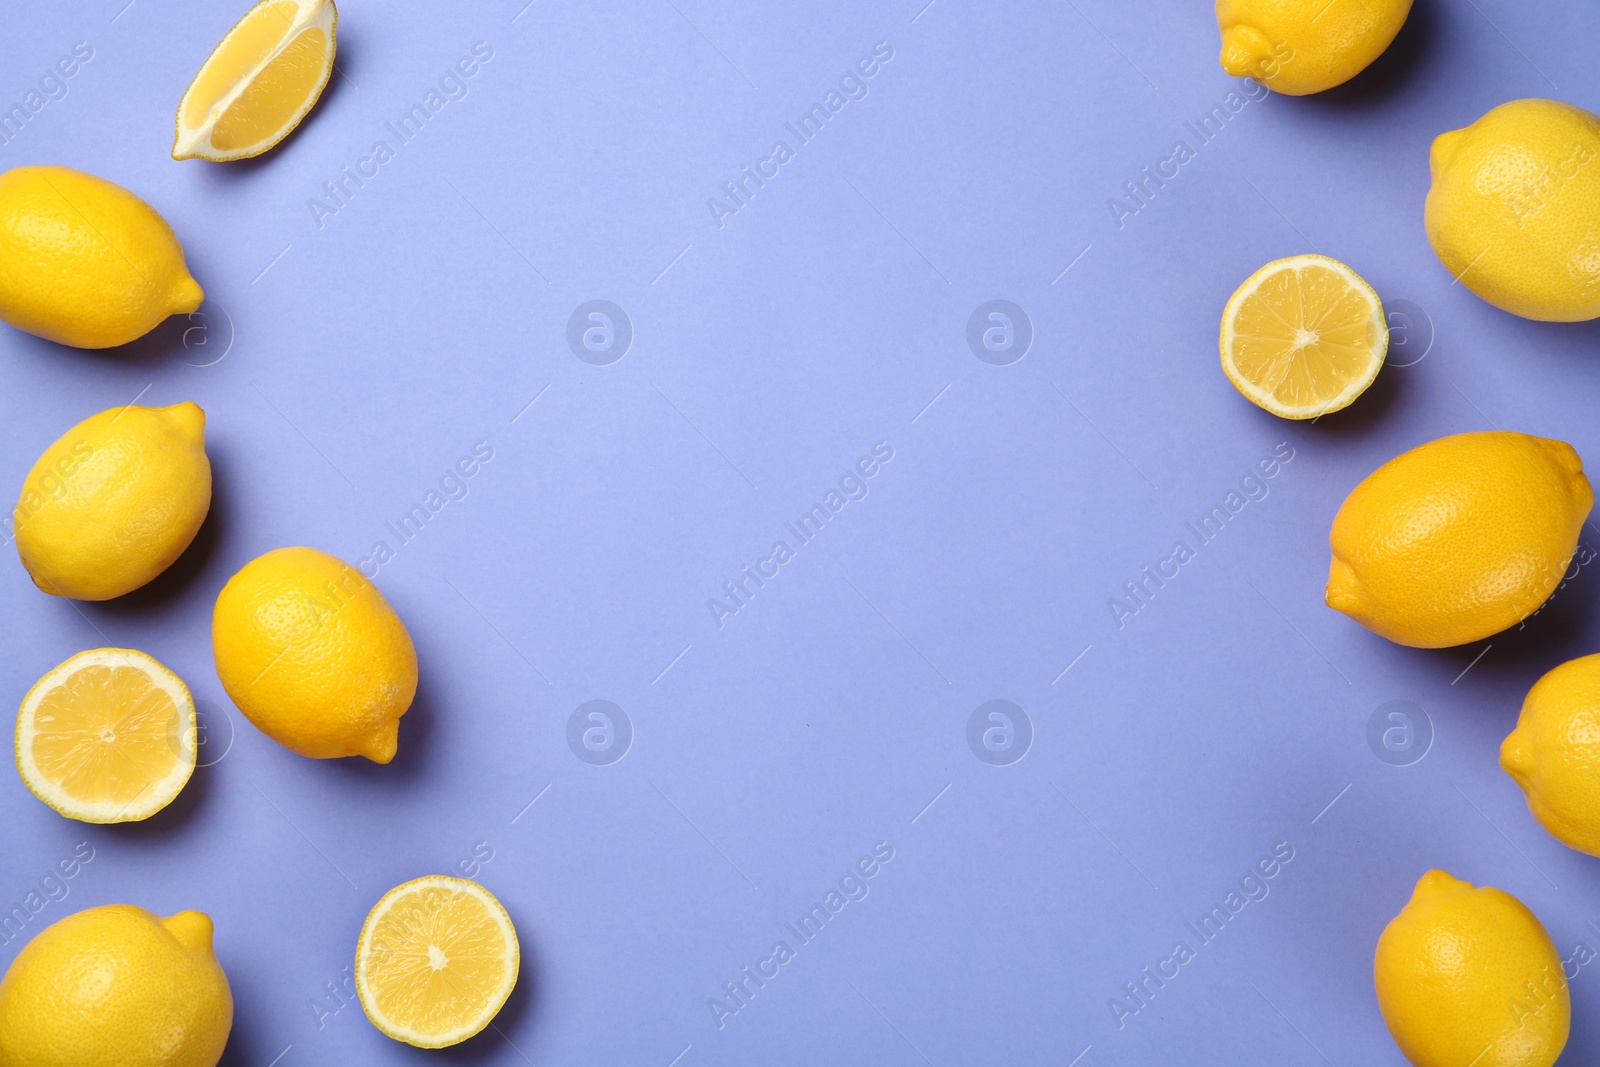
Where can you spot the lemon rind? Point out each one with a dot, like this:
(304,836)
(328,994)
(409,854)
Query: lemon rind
(406,1034)
(1265,400)
(158,794)
(195,142)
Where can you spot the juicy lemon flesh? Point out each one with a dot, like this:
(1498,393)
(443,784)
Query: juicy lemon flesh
(436,962)
(258,84)
(259,112)
(1304,339)
(247,47)
(105,735)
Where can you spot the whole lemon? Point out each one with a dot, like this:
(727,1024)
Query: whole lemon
(116,987)
(1467,975)
(1514,209)
(1458,538)
(1297,47)
(314,656)
(1554,753)
(84,262)
(114,501)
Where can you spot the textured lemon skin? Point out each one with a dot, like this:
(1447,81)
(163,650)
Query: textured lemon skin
(84,262)
(116,986)
(1469,976)
(314,656)
(1554,753)
(1458,538)
(1514,209)
(1298,47)
(114,501)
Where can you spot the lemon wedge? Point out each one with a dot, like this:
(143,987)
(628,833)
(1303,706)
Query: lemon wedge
(108,736)
(436,961)
(259,82)
(1303,337)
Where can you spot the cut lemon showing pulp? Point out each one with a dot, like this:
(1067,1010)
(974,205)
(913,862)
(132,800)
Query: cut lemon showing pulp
(259,82)
(1303,337)
(108,736)
(436,961)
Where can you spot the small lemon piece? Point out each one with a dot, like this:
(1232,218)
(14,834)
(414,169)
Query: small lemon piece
(437,959)
(1554,753)
(1303,337)
(1469,976)
(314,656)
(114,501)
(1298,47)
(108,736)
(116,986)
(258,84)
(1459,538)
(1514,209)
(84,262)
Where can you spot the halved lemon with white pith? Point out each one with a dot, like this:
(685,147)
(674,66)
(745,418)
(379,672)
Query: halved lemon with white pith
(108,736)
(1303,337)
(259,82)
(437,959)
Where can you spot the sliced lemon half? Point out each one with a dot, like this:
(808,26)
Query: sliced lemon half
(259,82)
(1303,337)
(437,959)
(108,736)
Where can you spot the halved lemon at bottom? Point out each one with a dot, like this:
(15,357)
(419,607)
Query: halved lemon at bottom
(259,82)
(1303,337)
(437,959)
(108,736)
